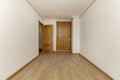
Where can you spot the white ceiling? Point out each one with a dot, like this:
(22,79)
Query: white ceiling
(60,9)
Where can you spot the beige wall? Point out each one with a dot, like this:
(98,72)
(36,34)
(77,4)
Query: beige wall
(18,35)
(100,36)
(0,78)
(76,34)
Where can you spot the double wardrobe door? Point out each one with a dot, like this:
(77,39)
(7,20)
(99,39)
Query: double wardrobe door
(64,36)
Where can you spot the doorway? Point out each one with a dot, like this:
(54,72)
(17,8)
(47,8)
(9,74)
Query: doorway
(40,36)
(47,39)
(64,36)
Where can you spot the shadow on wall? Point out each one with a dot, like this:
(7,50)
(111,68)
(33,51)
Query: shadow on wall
(0,75)
(0,79)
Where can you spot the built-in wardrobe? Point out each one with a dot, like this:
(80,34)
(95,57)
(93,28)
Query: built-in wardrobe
(64,36)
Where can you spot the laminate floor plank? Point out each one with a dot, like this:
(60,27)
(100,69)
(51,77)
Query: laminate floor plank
(60,66)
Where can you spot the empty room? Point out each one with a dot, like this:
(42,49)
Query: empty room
(59,39)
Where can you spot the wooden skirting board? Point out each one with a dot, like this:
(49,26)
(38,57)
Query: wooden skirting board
(62,51)
(73,54)
(22,68)
(96,67)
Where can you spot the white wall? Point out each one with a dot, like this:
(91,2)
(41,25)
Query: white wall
(76,34)
(18,35)
(100,36)
(0,77)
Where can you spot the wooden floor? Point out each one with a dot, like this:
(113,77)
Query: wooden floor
(60,66)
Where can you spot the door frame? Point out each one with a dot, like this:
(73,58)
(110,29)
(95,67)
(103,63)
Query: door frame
(39,23)
(43,36)
(57,34)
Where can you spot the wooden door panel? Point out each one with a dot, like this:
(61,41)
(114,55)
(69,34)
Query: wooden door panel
(67,36)
(64,36)
(48,38)
(60,36)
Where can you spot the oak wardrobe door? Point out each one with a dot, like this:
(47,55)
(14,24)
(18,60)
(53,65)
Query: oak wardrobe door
(63,36)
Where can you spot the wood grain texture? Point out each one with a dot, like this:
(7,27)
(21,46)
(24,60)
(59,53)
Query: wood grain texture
(64,36)
(60,66)
(47,38)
